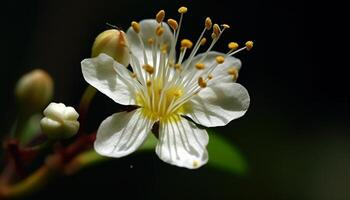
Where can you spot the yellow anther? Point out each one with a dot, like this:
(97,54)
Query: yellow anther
(249,45)
(148,83)
(216,29)
(164,47)
(171,63)
(182,10)
(173,24)
(233,45)
(177,66)
(225,26)
(234,72)
(177,93)
(148,68)
(208,23)
(202,83)
(203,41)
(133,75)
(220,59)
(213,36)
(186,43)
(136,26)
(210,76)
(160,16)
(150,41)
(199,65)
(159,31)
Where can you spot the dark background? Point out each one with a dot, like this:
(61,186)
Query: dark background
(295,136)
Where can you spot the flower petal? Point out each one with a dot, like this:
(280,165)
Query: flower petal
(182,143)
(101,73)
(220,72)
(122,133)
(148,30)
(218,104)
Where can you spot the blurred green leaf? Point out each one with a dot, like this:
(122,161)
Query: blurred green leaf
(224,155)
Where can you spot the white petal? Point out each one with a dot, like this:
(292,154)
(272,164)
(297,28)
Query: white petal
(122,133)
(218,104)
(220,72)
(182,143)
(101,73)
(148,30)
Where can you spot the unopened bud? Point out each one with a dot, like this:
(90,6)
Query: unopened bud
(34,91)
(59,121)
(112,42)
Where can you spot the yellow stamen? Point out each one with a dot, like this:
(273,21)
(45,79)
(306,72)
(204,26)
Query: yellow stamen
(150,41)
(234,72)
(177,66)
(210,76)
(203,41)
(201,82)
(199,65)
(164,47)
(159,31)
(136,26)
(249,45)
(220,59)
(225,25)
(216,29)
(208,23)
(233,45)
(160,16)
(148,83)
(186,43)
(182,10)
(173,24)
(148,68)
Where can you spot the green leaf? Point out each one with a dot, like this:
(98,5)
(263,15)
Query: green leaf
(224,155)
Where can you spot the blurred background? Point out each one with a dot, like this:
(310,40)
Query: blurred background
(295,136)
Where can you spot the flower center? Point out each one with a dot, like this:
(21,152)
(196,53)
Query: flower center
(158,102)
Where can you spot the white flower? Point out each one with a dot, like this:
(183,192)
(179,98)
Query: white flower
(59,121)
(166,88)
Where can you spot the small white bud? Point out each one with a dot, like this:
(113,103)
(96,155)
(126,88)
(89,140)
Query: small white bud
(59,121)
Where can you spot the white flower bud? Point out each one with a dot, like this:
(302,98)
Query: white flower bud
(113,43)
(59,121)
(34,91)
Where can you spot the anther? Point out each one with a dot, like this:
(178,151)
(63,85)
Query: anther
(216,29)
(173,24)
(150,41)
(202,83)
(186,43)
(208,23)
(136,26)
(225,26)
(249,45)
(182,10)
(199,66)
(203,41)
(164,47)
(220,59)
(160,16)
(177,93)
(177,66)
(148,83)
(233,45)
(159,31)
(234,72)
(210,76)
(148,68)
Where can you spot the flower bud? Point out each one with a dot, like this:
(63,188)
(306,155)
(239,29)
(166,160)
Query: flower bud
(60,121)
(34,91)
(112,42)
